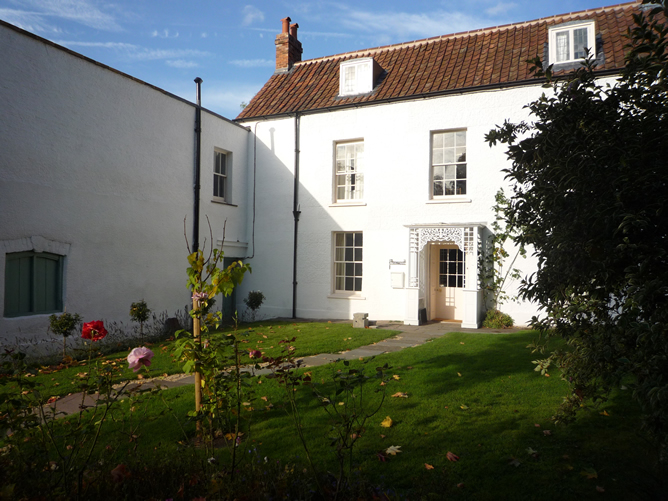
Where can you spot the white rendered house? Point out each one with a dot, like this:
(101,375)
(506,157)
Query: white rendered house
(392,184)
(359,182)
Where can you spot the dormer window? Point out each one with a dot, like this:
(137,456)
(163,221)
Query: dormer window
(568,42)
(357,76)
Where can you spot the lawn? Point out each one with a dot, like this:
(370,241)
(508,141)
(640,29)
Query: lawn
(314,338)
(472,395)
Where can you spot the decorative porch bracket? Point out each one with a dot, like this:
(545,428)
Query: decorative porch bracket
(463,237)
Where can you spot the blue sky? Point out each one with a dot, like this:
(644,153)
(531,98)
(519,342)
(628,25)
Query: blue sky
(230,45)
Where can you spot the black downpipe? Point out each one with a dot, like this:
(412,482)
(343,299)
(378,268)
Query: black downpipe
(198,163)
(295,212)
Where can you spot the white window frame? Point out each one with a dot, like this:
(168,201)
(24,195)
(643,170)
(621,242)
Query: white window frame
(444,169)
(569,30)
(349,172)
(356,76)
(347,263)
(224,177)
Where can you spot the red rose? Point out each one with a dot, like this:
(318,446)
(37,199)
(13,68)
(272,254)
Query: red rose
(94,330)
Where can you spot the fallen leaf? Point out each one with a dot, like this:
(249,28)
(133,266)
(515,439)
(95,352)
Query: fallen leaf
(537,425)
(409,367)
(428,466)
(396,377)
(120,473)
(589,473)
(393,450)
(264,398)
(381,457)
(451,456)
(547,433)
(515,462)
(382,436)
(361,358)
(463,407)
(400,394)
(342,403)
(382,383)
(599,489)
(387,422)
(460,485)
(604,413)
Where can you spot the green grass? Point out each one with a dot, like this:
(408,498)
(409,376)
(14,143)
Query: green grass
(313,337)
(475,395)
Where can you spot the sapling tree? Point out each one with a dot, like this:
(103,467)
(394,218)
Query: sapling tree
(64,325)
(139,313)
(253,301)
(590,195)
(205,281)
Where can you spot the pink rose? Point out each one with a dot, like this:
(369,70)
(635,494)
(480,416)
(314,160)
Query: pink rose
(94,330)
(255,354)
(138,357)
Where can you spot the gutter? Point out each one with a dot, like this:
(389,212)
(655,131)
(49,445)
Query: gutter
(198,164)
(295,213)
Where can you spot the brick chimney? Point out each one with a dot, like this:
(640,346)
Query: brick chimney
(288,48)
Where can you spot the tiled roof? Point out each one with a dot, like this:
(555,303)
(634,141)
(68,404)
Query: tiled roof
(462,61)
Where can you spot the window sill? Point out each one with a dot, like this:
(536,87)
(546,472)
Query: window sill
(346,295)
(222,201)
(453,199)
(348,204)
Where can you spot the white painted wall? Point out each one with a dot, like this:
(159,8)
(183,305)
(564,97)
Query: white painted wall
(100,166)
(396,193)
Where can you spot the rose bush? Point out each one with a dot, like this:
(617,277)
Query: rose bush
(138,357)
(94,331)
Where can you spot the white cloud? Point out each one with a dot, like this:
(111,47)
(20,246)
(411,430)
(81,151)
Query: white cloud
(251,14)
(181,64)
(29,21)
(500,9)
(204,35)
(253,63)
(164,34)
(137,53)
(145,54)
(303,33)
(79,11)
(398,26)
(105,45)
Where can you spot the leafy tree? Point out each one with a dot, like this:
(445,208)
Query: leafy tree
(589,182)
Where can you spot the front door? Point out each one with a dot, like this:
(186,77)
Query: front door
(446,279)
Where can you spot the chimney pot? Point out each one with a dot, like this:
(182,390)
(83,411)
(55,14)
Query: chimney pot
(288,48)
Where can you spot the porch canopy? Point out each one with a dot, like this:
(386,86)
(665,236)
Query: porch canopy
(467,238)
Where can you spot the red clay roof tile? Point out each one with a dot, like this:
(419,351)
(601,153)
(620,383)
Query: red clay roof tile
(461,61)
